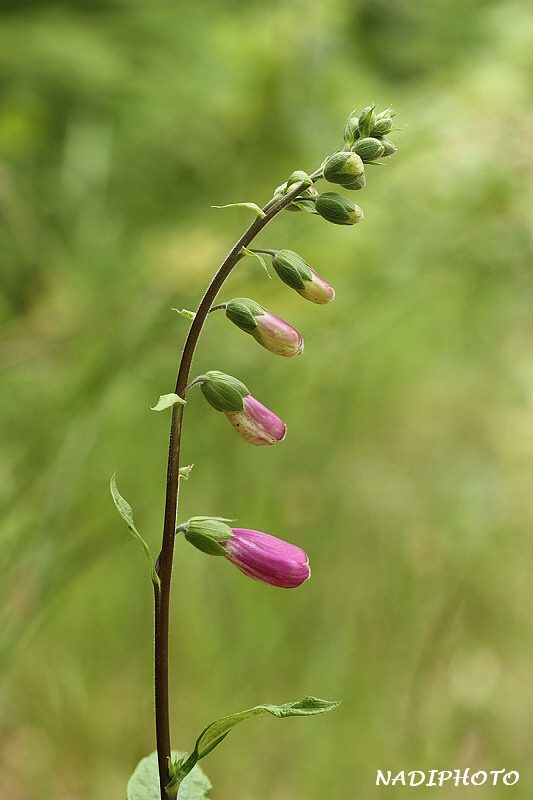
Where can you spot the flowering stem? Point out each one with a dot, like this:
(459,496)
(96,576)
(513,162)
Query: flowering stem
(164,561)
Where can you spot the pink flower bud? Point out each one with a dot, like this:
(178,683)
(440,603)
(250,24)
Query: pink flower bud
(267,559)
(317,290)
(276,335)
(256,423)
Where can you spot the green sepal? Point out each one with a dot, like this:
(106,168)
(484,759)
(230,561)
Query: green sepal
(125,511)
(144,782)
(206,533)
(291,269)
(167,401)
(223,392)
(259,211)
(185,312)
(245,252)
(217,731)
(242,312)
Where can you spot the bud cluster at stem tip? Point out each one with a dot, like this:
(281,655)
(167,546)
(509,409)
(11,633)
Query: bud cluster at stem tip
(365,134)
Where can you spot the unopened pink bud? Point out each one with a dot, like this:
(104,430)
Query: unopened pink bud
(276,335)
(267,559)
(317,290)
(256,423)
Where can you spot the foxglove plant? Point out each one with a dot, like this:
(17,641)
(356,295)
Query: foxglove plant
(166,773)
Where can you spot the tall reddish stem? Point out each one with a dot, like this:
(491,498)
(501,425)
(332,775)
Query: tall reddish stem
(164,562)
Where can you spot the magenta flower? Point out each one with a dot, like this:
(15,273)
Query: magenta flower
(276,335)
(256,423)
(267,559)
(317,290)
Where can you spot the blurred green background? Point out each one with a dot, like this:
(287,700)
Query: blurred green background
(407,471)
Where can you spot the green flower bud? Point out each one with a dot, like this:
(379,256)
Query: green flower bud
(366,121)
(299,176)
(292,269)
(343,168)
(223,392)
(207,533)
(368,149)
(382,127)
(338,209)
(242,312)
(389,147)
(351,129)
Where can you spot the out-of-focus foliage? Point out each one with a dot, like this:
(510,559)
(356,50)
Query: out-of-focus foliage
(408,466)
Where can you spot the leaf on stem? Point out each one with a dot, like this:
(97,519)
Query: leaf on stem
(185,312)
(144,782)
(217,731)
(246,252)
(259,211)
(125,511)
(166,401)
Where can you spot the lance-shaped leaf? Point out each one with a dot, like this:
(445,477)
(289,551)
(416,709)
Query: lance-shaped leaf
(125,511)
(167,401)
(259,211)
(246,252)
(144,783)
(217,731)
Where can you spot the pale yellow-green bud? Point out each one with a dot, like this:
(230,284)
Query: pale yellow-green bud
(343,168)
(338,209)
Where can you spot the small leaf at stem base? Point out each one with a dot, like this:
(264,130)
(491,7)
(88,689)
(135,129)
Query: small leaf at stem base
(144,782)
(218,730)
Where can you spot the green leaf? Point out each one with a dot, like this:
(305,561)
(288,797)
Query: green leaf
(259,257)
(185,312)
(144,783)
(259,211)
(125,511)
(166,401)
(217,731)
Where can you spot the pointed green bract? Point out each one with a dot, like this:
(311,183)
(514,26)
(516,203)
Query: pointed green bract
(259,211)
(125,511)
(259,257)
(217,731)
(144,782)
(167,401)
(185,312)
